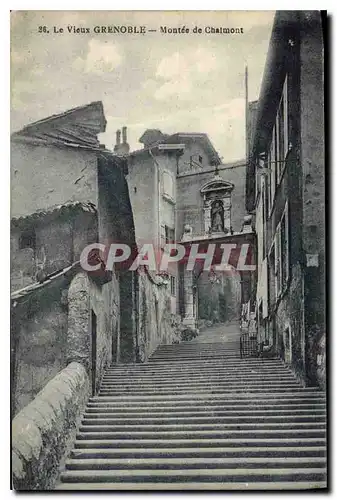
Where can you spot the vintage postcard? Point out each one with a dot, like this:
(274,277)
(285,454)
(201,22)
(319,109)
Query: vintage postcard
(168,318)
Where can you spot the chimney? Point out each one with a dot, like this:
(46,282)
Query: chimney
(121,148)
(124,135)
(124,148)
(118,141)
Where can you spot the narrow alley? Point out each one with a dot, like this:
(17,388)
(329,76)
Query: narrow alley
(196,416)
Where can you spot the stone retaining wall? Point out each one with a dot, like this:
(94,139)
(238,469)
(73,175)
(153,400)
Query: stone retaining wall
(42,430)
(39,325)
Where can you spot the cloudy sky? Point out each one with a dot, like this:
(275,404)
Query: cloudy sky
(187,82)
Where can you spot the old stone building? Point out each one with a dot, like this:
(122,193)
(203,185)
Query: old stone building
(285,191)
(181,192)
(107,393)
(69,324)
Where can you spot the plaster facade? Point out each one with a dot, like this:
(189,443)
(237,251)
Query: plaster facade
(285,185)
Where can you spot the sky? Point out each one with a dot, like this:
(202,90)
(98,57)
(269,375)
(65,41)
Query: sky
(174,82)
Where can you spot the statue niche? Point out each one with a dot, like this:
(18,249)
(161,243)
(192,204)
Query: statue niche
(217,205)
(217,217)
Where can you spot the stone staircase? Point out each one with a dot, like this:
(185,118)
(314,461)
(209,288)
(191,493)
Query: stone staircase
(196,416)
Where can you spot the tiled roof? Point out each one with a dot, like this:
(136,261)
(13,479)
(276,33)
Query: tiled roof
(77,127)
(56,209)
(23,292)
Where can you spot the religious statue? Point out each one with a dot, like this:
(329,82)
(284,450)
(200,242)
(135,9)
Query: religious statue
(217,217)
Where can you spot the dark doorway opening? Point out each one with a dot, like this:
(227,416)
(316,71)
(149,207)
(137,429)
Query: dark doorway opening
(93,351)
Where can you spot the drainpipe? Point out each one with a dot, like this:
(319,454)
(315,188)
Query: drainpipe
(157,183)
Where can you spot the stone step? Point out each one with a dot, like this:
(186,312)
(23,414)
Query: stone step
(194,463)
(195,356)
(205,362)
(201,376)
(182,348)
(195,486)
(210,368)
(205,452)
(186,427)
(204,396)
(240,443)
(224,362)
(209,407)
(202,475)
(156,391)
(203,383)
(197,414)
(189,392)
(198,348)
(206,417)
(281,433)
(209,361)
(209,373)
(195,359)
(183,383)
(140,380)
(190,346)
(234,361)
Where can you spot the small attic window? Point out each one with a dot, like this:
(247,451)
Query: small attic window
(27,239)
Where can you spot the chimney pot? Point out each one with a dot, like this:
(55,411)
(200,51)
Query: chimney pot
(118,137)
(124,135)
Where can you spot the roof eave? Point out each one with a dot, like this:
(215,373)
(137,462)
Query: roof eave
(285,26)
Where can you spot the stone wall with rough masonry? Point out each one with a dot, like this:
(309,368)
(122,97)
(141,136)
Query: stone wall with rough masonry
(154,315)
(42,431)
(39,326)
(46,176)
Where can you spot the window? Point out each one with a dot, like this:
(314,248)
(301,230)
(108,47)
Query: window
(27,239)
(278,256)
(282,253)
(167,235)
(272,167)
(278,148)
(168,186)
(264,199)
(162,236)
(282,130)
(173,285)
(271,275)
(284,237)
(280,138)
(196,160)
(270,199)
